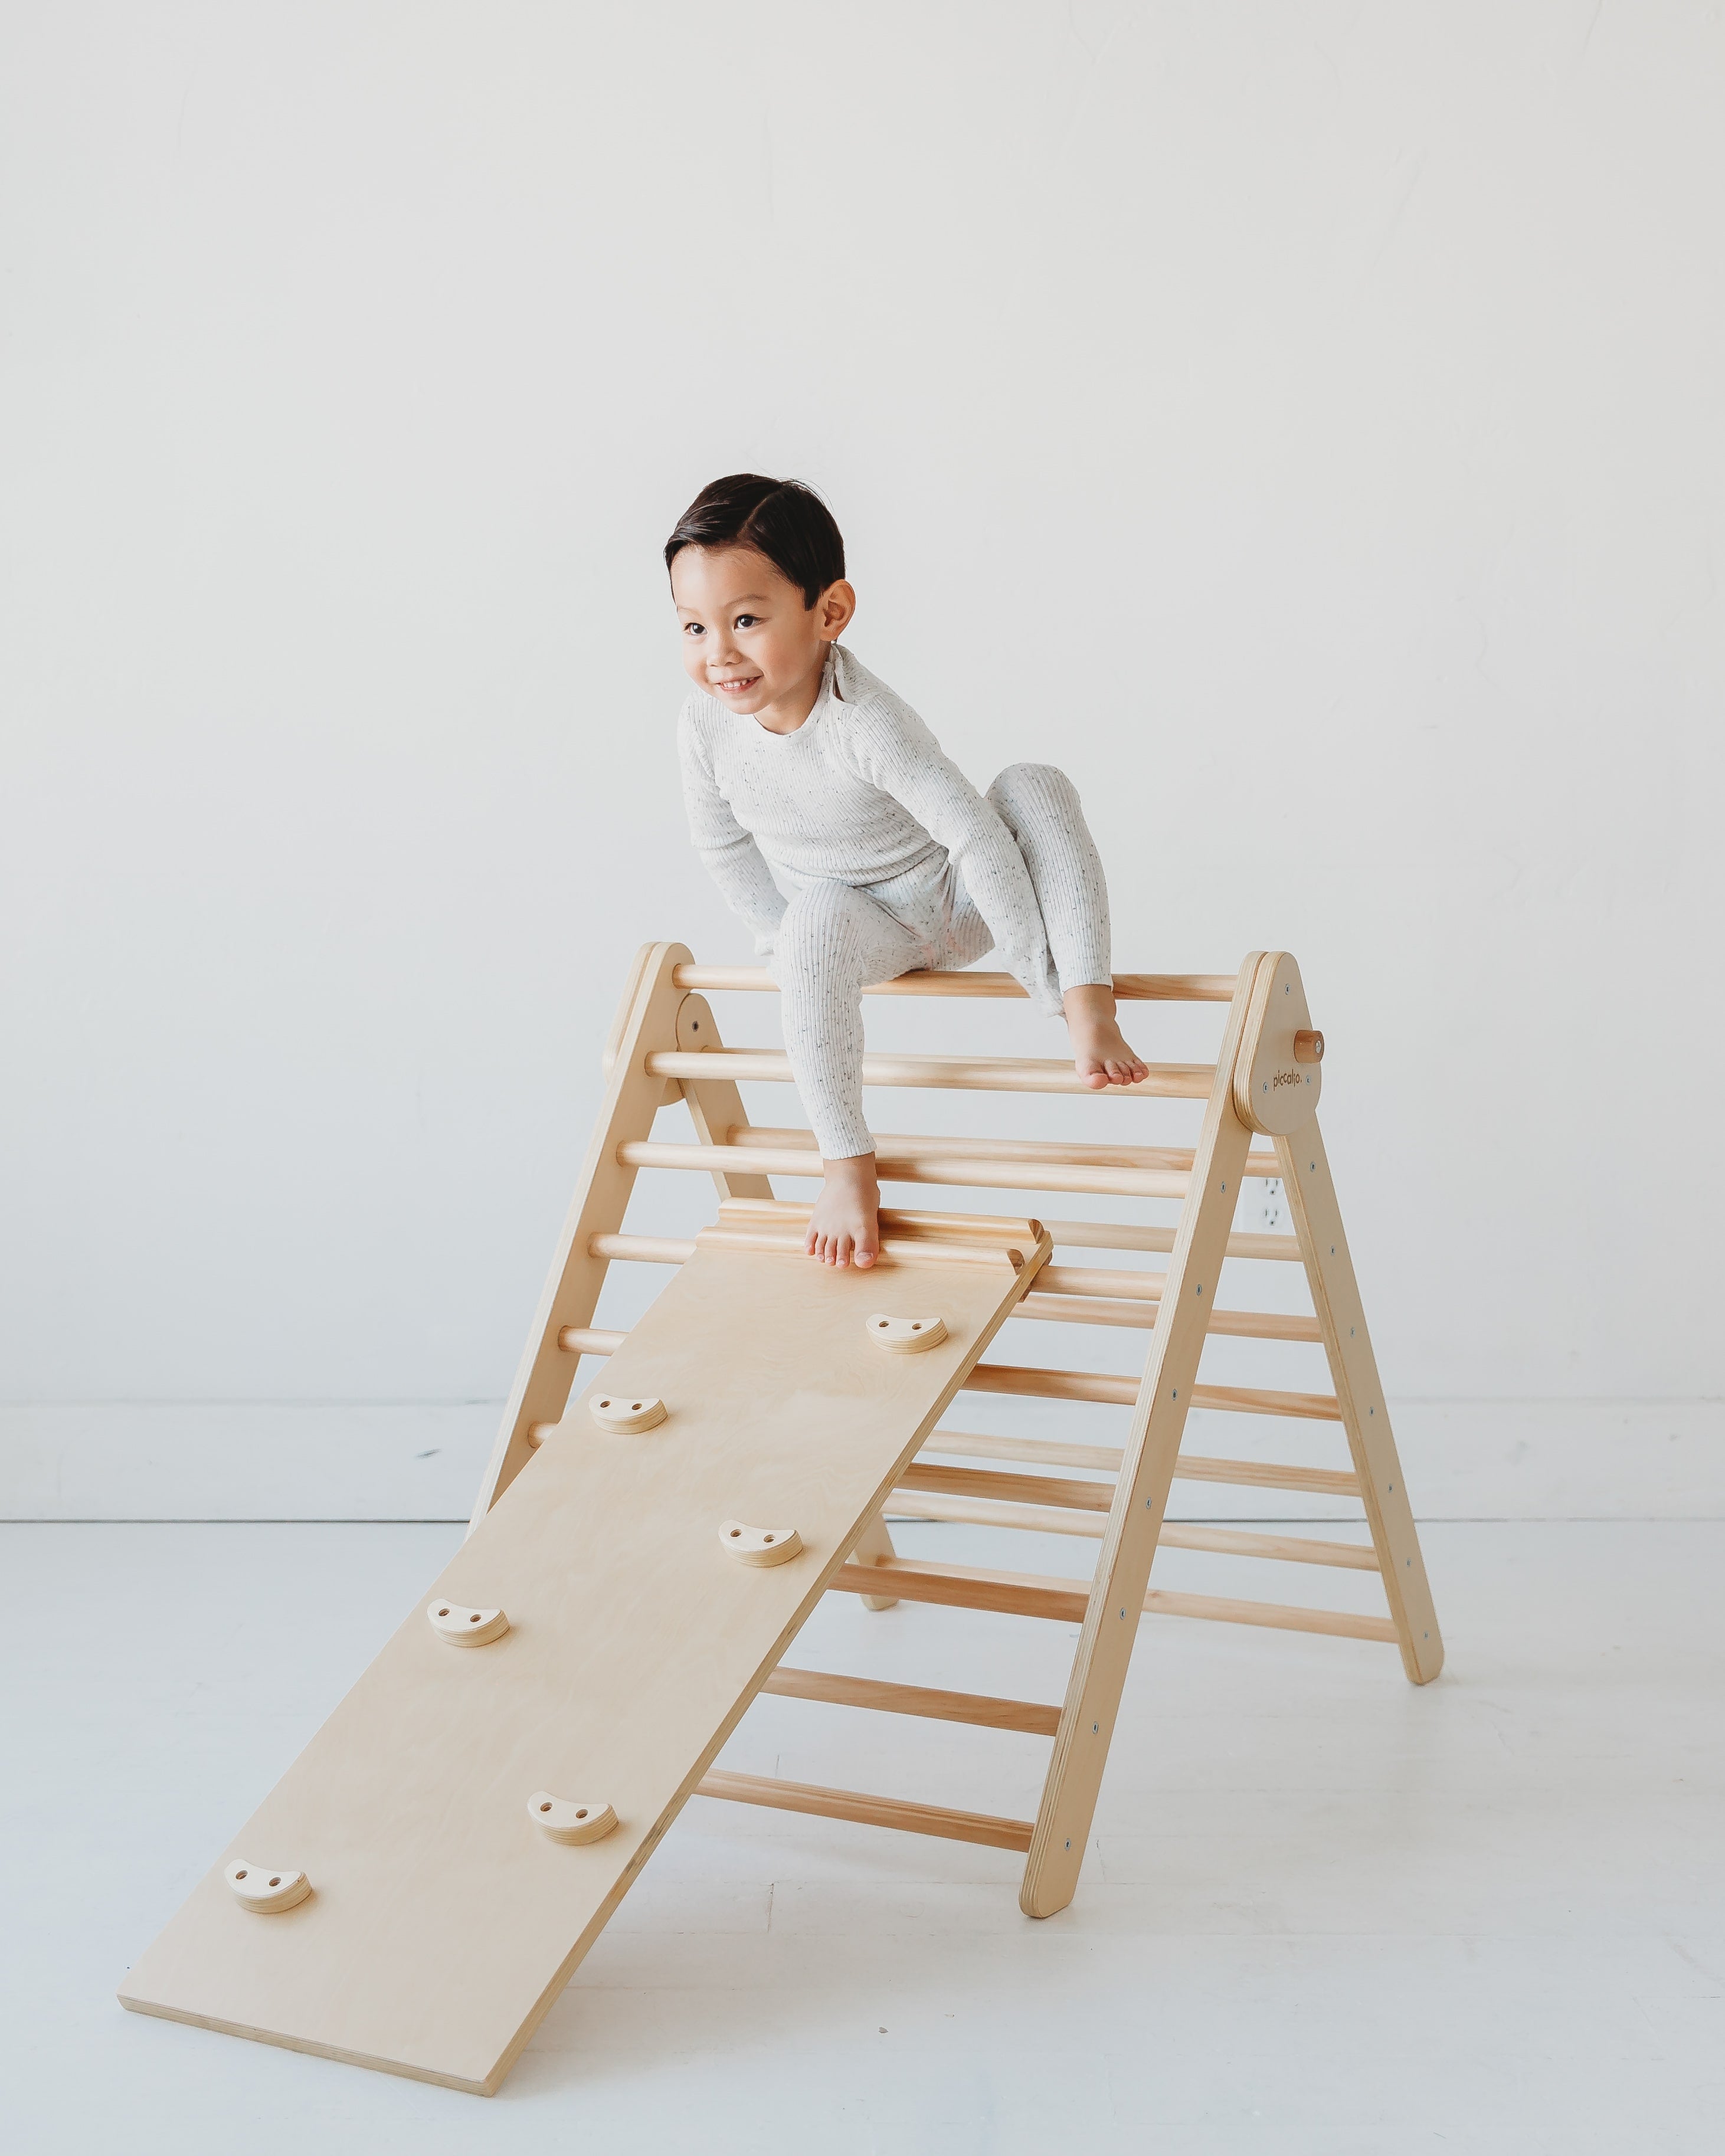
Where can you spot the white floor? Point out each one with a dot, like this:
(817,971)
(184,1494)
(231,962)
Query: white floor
(1322,1911)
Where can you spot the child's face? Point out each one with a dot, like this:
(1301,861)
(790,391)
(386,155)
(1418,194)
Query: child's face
(747,638)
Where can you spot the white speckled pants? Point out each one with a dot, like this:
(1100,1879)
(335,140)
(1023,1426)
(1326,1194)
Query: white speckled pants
(836,940)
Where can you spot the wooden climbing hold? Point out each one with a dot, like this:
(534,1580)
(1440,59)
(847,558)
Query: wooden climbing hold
(906,1336)
(256,1886)
(466,1628)
(565,1819)
(624,1413)
(759,1545)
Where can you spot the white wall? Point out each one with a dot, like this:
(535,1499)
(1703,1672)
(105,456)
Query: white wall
(1303,420)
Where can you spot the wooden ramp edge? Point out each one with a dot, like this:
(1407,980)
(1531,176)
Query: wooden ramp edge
(442,1923)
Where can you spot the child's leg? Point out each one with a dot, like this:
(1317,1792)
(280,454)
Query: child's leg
(832,941)
(1039,806)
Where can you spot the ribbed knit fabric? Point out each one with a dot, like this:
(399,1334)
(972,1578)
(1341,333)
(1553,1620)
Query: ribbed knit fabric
(856,851)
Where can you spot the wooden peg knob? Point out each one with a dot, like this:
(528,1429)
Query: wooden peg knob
(759,1545)
(465,1627)
(256,1886)
(566,1819)
(1308,1047)
(625,1412)
(537,1432)
(906,1336)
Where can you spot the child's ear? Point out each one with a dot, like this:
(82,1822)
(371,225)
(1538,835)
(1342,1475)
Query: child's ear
(836,606)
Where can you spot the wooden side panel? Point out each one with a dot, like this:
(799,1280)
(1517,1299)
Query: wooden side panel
(441,1923)
(715,1105)
(647,1019)
(1110,1623)
(1359,1394)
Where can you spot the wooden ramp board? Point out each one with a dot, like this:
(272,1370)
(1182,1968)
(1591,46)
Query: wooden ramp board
(441,1923)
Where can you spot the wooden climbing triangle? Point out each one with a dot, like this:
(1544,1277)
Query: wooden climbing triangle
(644,1550)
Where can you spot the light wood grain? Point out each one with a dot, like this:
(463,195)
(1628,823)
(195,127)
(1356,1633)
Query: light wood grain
(1191,1467)
(970,1173)
(1062,1305)
(1027,1715)
(1121,1236)
(1031,1382)
(866,1811)
(917,1503)
(636,1646)
(1030,1152)
(969,1074)
(1130,987)
(1161,1405)
(1065,1602)
(1359,1392)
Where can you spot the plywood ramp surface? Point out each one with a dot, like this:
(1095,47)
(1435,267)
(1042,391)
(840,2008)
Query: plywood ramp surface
(441,1924)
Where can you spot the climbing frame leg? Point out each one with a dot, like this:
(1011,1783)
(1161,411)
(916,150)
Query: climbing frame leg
(1359,1394)
(873,1546)
(1110,1623)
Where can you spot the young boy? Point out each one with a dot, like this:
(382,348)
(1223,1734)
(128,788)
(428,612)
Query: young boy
(825,811)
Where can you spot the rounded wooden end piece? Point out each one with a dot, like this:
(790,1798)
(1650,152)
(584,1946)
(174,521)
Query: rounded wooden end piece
(462,1627)
(906,1336)
(537,1432)
(758,1545)
(1276,1088)
(625,1412)
(1308,1046)
(570,1818)
(265,1890)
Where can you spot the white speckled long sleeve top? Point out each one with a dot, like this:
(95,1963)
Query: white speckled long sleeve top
(859,794)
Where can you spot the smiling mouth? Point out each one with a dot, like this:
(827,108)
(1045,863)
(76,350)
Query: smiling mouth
(736,687)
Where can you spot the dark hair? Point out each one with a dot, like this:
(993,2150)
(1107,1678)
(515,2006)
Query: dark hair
(781,518)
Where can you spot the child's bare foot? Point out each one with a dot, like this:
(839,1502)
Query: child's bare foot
(845,1228)
(1103,1055)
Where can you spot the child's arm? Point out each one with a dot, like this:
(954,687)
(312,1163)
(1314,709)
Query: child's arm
(725,850)
(893,749)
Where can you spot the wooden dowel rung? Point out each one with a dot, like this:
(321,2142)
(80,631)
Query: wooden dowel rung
(1029,1716)
(971,1073)
(908,1145)
(1063,1307)
(1103,1387)
(1015,1489)
(1190,1467)
(1021,1594)
(1107,1235)
(1279,1616)
(966,1587)
(864,1810)
(642,1249)
(1130,987)
(589,1340)
(919,1503)
(975,1175)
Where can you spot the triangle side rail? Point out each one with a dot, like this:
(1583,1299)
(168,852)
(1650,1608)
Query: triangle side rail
(1121,1578)
(1359,1397)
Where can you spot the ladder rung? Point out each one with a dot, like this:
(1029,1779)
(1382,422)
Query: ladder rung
(1023,1595)
(970,1074)
(898,1145)
(918,1504)
(970,1173)
(1130,987)
(1103,1386)
(1029,1716)
(1111,1235)
(866,1811)
(1062,1307)
(1015,1489)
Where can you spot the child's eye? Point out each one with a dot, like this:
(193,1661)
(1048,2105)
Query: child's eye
(693,628)
(745,620)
